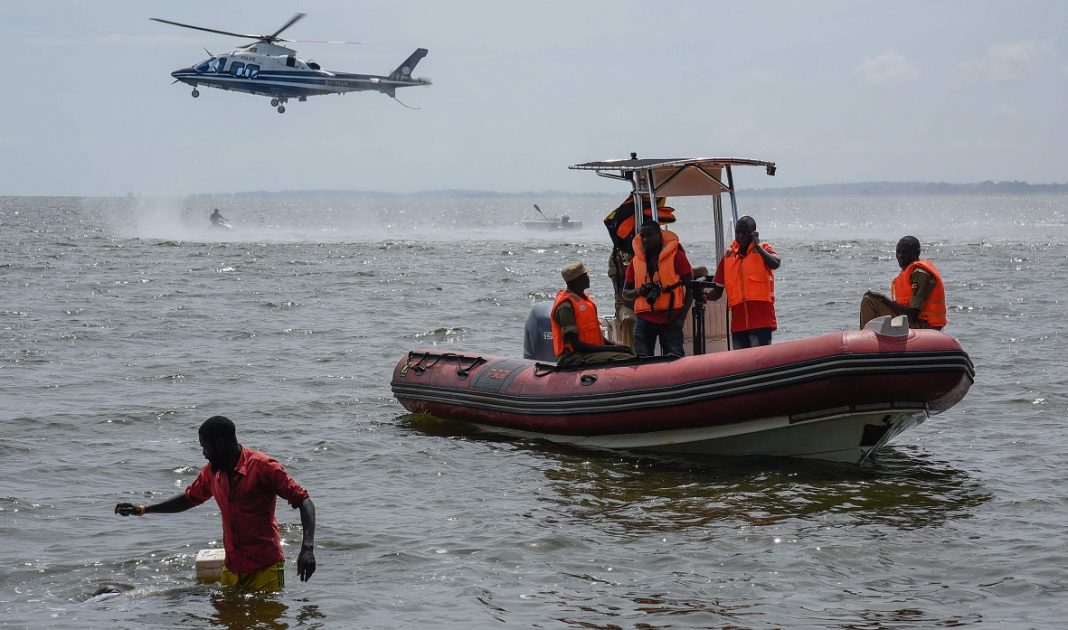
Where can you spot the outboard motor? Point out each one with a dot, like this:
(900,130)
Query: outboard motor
(538,338)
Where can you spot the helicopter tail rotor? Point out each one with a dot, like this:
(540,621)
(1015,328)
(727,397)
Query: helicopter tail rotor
(404,71)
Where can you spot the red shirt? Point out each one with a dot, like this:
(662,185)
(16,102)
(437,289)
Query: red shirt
(682,267)
(250,532)
(751,313)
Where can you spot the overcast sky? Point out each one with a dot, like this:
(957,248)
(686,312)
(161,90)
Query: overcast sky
(834,91)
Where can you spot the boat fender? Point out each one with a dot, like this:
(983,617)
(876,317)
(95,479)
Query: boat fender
(887,326)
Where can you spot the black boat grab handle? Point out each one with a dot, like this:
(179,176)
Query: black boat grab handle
(543,369)
(424,363)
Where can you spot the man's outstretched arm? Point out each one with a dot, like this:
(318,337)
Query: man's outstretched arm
(178,503)
(306,559)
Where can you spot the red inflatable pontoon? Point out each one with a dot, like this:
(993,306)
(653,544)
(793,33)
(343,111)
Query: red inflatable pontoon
(836,397)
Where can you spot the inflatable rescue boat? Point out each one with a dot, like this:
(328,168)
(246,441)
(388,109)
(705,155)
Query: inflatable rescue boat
(838,396)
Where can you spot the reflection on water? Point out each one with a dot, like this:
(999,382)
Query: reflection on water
(238,608)
(623,494)
(656,494)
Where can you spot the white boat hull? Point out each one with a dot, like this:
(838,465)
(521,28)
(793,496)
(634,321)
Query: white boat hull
(848,437)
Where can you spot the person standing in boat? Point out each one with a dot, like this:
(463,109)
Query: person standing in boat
(747,273)
(577,338)
(658,281)
(244,483)
(618,261)
(917,291)
(620,224)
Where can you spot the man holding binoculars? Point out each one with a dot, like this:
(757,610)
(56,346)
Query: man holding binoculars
(662,274)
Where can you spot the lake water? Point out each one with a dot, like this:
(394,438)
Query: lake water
(124,323)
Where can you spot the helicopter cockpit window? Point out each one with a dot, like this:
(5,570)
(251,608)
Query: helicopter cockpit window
(237,69)
(208,65)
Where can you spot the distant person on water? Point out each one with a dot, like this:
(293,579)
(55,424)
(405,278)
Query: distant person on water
(747,273)
(917,291)
(658,281)
(244,483)
(577,338)
(217,218)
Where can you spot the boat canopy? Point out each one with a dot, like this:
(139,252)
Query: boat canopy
(675,177)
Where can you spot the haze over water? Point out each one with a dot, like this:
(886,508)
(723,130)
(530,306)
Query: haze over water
(124,323)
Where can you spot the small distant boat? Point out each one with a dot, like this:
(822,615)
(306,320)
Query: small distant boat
(550,224)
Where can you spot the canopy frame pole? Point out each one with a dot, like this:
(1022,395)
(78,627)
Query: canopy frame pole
(653,209)
(721,251)
(730,188)
(636,199)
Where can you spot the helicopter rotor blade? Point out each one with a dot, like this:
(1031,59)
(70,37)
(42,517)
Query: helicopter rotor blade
(210,30)
(324,41)
(293,20)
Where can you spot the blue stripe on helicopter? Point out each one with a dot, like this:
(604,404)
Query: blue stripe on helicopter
(283,78)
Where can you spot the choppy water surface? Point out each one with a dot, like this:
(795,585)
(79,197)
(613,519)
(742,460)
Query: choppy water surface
(124,323)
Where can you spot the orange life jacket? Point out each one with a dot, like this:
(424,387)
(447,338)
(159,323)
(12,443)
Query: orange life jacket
(933,310)
(672,290)
(747,278)
(625,228)
(589,325)
(621,225)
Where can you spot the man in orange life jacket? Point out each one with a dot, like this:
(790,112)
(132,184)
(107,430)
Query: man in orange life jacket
(750,284)
(917,291)
(662,274)
(620,224)
(577,338)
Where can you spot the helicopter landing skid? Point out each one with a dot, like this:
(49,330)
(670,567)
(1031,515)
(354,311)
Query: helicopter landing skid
(402,102)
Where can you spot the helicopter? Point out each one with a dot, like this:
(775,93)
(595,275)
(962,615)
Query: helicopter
(268,69)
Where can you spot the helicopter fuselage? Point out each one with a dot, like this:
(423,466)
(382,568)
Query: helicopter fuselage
(275,71)
(269,69)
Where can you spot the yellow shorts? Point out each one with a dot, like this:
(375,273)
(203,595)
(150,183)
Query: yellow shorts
(273,578)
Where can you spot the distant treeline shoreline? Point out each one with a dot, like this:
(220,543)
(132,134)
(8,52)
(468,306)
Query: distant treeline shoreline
(860,189)
(875,189)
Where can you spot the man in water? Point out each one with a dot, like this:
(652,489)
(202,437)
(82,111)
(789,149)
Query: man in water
(747,274)
(577,337)
(662,274)
(244,483)
(917,291)
(216,218)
